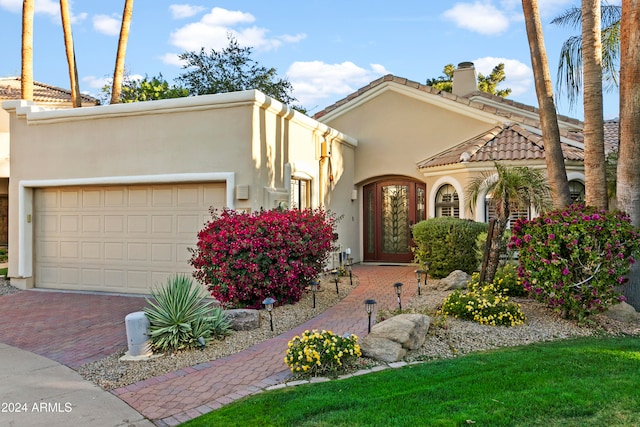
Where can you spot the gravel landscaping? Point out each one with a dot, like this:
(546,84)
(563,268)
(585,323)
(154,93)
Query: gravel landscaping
(446,338)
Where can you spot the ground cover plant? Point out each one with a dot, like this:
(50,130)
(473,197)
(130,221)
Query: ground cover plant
(485,303)
(244,258)
(575,260)
(316,353)
(583,382)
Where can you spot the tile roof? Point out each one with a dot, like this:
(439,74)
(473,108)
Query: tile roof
(480,100)
(611,135)
(506,142)
(10,89)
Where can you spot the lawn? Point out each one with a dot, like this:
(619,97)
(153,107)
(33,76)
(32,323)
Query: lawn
(581,382)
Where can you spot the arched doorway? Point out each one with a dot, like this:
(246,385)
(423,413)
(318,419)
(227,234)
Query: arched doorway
(391,207)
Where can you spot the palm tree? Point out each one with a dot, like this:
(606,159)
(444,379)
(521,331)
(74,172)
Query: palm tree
(548,116)
(118,74)
(509,189)
(628,177)
(71,60)
(594,158)
(26,78)
(569,76)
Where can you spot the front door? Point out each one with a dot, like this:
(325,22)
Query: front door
(391,207)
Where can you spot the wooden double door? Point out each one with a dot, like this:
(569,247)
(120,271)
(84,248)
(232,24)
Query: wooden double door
(391,207)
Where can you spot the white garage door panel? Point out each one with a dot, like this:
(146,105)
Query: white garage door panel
(120,238)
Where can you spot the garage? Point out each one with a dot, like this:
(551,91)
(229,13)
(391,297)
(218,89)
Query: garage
(120,238)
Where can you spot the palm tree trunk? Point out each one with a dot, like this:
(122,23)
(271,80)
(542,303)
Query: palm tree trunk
(548,116)
(71,59)
(26,78)
(494,250)
(628,176)
(118,74)
(594,158)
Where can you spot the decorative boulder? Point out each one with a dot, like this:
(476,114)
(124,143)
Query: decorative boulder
(390,340)
(243,319)
(457,279)
(623,312)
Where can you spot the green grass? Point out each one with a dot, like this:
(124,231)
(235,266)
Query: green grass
(582,382)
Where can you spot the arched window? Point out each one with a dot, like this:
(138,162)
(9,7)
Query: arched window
(447,202)
(576,189)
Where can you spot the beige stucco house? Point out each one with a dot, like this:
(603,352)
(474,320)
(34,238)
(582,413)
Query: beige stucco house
(45,96)
(110,198)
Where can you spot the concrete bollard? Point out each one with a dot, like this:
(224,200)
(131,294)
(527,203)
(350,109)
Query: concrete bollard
(137,326)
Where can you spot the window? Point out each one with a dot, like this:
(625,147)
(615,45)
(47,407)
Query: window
(447,202)
(490,212)
(576,189)
(300,193)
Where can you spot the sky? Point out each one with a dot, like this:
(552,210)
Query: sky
(327,49)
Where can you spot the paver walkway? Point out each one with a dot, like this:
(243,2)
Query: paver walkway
(186,394)
(74,329)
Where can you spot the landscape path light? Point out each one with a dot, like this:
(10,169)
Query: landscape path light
(336,277)
(369,306)
(349,265)
(314,289)
(268,304)
(398,288)
(419,278)
(427,264)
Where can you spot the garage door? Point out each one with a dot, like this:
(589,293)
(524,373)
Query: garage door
(118,238)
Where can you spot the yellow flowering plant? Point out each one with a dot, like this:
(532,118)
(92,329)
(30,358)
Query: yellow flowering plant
(486,304)
(320,352)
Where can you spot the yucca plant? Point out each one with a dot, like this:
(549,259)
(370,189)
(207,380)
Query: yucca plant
(179,315)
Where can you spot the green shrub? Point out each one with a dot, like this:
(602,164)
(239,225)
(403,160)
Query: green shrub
(317,353)
(179,315)
(485,304)
(506,254)
(575,260)
(448,244)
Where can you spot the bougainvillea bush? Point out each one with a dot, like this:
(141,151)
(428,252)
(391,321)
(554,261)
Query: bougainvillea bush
(575,260)
(244,258)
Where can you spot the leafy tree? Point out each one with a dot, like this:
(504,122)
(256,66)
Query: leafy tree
(232,69)
(488,84)
(510,188)
(146,89)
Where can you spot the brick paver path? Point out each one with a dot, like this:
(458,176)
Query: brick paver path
(180,396)
(70,328)
(74,329)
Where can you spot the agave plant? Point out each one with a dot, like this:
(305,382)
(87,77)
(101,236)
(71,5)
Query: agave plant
(179,315)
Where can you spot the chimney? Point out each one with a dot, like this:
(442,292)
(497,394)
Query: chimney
(465,79)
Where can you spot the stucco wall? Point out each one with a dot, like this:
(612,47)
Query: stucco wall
(396,130)
(245,135)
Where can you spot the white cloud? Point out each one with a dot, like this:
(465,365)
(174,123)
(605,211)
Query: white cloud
(96,82)
(181,11)
(480,17)
(107,25)
(519,76)
(315,80)
(49,7)
(211,31)
(172,59)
